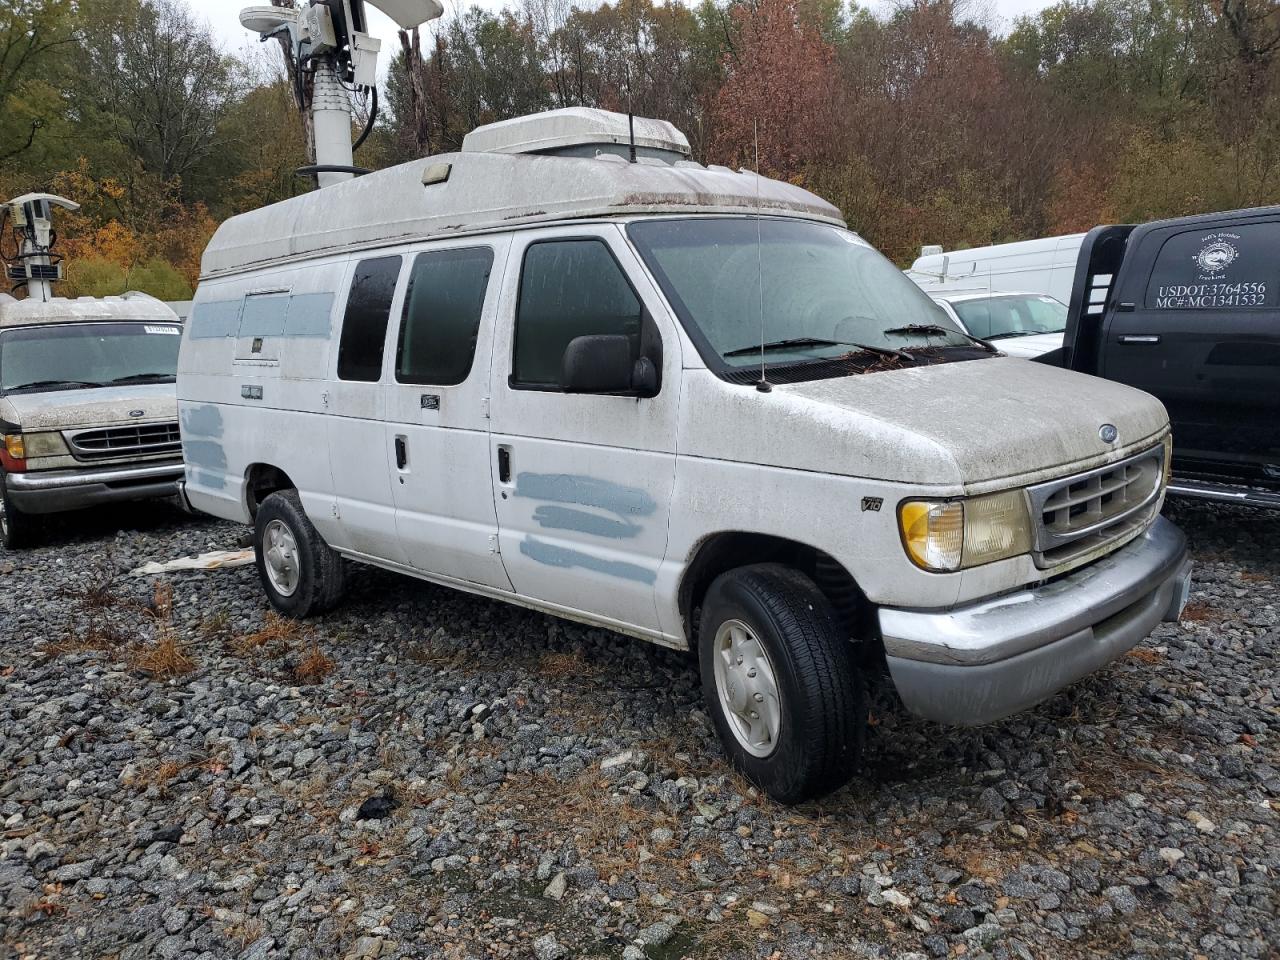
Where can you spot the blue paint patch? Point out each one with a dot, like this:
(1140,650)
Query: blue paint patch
(218,318)
(263,316)
(202,421)
(206,463)
(551,555)
(309,315)
(587,492)
(566,518)
(204,453)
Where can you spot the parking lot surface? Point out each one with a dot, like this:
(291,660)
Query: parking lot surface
(426,774)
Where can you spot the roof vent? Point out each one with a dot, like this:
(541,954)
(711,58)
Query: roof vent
(578,132)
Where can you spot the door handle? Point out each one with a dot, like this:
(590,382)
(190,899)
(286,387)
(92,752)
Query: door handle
(402,452)
(1136,338)
(504,464)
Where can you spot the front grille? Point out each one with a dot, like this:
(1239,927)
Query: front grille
(1077,514)
(141,439)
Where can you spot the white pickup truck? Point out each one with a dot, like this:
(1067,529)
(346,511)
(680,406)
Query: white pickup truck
(680,402)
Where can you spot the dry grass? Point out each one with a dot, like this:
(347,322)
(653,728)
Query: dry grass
(216,626)
(166,657)
(99,589)
(314,666)
(1200,612)
(96,637)
(276,635)
(565,666)
(1145,655)
(1255,576)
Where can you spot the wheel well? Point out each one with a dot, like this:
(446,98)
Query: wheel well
(262,480)
(723,552)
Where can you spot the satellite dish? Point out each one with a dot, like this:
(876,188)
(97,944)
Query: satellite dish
(409,13)
(266,19)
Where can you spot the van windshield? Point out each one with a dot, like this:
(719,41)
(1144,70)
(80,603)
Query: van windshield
(826,292)
(70,356)
(1019,315)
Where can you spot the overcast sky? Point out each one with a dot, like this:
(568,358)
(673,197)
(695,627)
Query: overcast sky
(224,16)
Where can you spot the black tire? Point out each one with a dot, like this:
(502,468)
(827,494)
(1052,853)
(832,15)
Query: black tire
(822,705)
(18,530)
(319,577)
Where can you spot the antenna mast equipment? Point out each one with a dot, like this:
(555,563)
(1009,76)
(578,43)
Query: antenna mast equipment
(34,264)
(331,37)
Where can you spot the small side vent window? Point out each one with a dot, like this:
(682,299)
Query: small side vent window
(442,308)
(364,324)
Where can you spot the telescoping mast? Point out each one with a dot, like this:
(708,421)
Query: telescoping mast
(34,265)
(328,38)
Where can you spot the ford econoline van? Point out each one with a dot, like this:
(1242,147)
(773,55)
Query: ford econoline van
(681,402)
(87,410)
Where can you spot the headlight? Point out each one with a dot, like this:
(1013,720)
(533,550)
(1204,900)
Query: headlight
(947,535)
(47,443)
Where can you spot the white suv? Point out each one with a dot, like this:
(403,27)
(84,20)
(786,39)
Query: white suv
(683,403)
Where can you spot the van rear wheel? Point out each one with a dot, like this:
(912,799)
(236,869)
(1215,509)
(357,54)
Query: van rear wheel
(780,682)
(301,574)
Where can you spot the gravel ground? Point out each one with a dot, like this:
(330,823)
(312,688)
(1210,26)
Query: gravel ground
(425,774)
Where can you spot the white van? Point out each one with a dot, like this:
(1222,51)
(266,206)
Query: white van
(683,403)
(1046,266)
(87,409)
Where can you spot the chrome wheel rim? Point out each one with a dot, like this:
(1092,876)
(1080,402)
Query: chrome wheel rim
(280,557)
(747,688)
(4,519)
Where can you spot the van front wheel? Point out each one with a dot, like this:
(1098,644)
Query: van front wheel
(779,680)
(17,529)
(300,573)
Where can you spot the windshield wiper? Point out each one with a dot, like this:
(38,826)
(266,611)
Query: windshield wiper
(143,377)
(1022,333)
(38,384)
(783,344)
(818,342)
(934,329)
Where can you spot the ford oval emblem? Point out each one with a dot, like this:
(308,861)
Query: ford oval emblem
(1108,433)
(136,413)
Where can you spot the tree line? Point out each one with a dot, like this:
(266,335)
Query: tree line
(922,122)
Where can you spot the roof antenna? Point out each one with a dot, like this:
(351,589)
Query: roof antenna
(631,117)
(763,384)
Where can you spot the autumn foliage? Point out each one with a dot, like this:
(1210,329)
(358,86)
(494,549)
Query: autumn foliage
(780,90)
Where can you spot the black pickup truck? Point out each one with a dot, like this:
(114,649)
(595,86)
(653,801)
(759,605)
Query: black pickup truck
(1189,310)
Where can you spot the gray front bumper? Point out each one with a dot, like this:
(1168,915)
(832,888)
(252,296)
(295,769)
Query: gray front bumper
(52,491)
(979,663)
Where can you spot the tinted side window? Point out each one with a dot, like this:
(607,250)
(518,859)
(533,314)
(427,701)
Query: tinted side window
(442,315)
(1228,268)
(364,325)
(569,288)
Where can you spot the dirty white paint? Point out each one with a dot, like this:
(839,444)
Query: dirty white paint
(131,306)
(607,498)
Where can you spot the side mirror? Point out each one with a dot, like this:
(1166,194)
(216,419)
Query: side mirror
(602,364)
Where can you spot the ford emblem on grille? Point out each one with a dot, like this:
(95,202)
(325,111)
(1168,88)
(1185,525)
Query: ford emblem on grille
(136,413)
(1108,433)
